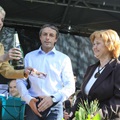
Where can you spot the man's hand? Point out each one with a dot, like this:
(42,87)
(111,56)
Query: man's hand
(45,103)
(66,116)
(38,74)
(33,72)
(27,71)
(32,104)
(13,53)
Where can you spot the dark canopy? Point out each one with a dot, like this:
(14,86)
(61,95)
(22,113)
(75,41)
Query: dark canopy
(84,16)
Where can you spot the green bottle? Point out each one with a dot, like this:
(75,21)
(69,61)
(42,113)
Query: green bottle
(18,64)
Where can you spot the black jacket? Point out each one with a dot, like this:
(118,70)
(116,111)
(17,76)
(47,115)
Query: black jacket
(106,89)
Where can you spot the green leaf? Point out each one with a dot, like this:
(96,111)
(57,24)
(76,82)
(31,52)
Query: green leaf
(97,117)
(86,110)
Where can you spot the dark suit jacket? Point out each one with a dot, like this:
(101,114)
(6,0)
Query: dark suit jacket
(106,89)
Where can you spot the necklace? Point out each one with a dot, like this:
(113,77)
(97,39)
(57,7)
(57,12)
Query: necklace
(98,73)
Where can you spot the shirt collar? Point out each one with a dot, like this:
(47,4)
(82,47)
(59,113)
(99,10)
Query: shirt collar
(53,51)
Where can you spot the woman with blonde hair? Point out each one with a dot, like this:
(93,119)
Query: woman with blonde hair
(102,79)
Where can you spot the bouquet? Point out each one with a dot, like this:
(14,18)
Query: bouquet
(86,111)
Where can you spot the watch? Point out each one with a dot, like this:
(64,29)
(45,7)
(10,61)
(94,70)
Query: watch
(53,99)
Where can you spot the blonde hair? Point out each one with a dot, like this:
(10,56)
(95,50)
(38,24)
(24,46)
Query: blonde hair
(111,40)
(2,11)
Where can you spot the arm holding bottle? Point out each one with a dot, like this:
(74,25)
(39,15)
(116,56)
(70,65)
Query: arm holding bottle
(13,53)
(7,70)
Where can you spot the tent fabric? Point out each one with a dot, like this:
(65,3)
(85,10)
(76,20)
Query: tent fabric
(84,16)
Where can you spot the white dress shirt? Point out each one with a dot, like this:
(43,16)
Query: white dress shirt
(59,81)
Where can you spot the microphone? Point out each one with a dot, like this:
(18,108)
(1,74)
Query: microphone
(67,106)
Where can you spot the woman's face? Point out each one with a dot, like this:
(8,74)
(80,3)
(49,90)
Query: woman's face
(99,48)
(1,20)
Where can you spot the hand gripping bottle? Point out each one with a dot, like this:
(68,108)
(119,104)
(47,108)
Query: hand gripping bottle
(18,64)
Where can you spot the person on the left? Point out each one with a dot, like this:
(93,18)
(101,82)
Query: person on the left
(6,69)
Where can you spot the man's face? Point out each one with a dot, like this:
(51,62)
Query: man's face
(48,39)
(1,20)
(12,89)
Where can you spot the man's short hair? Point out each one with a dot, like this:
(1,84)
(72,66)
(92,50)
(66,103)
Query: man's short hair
(50,26)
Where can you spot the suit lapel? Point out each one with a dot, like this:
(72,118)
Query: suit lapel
(89,73)
(109,68)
